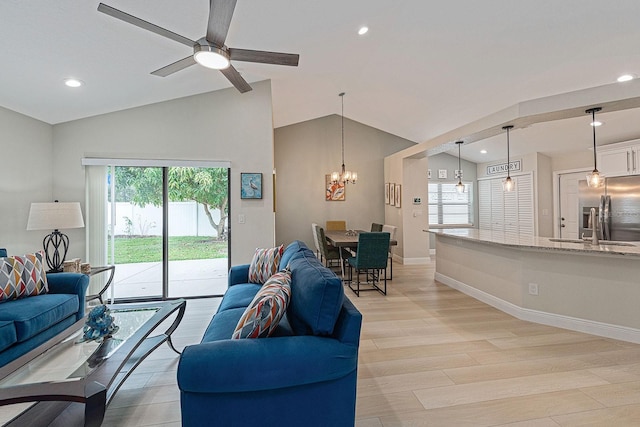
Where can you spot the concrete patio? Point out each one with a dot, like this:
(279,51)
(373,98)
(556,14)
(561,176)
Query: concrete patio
(186,279)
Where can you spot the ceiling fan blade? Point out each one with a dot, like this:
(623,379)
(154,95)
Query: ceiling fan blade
(175,67)
(220,14)
(123,16)
(264,57)
(236,79)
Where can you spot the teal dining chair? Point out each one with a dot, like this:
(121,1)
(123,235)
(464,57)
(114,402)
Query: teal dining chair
(371,260)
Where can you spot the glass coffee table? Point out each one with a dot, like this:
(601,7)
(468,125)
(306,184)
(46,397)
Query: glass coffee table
(67,381)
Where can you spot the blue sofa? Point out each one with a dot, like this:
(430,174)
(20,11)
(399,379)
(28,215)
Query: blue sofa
(26,323)
(303,375)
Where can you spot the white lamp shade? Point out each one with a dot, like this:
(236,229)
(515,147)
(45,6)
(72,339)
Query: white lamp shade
(55,216)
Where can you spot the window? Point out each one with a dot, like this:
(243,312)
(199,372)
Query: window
(448,207)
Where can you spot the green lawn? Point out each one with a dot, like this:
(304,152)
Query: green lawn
(149,249)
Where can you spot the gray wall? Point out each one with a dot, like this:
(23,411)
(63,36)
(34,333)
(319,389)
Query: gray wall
(305,152)
(42,162)
(25,177)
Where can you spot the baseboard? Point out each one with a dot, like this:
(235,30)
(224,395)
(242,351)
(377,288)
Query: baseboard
(606,330)
(412,261)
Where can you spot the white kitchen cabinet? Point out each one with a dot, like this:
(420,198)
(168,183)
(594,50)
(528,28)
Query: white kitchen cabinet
(619,159)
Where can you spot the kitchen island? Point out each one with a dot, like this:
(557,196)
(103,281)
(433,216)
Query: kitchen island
(569,284)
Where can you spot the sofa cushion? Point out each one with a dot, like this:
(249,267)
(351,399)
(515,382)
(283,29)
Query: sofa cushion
(34,315)
(239,295)
(290,252)
(33,276)
(316,296)
(263,314)
(264,264)
(7,334)
(223,324)
(10,278)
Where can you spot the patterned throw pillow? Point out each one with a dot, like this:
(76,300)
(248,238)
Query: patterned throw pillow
(10,278)
(262,316)
(34,278)
(264,264)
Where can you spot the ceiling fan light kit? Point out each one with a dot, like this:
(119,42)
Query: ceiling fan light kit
(210,51)
(211,56)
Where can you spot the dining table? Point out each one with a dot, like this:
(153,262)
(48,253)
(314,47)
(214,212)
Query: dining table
(347,239)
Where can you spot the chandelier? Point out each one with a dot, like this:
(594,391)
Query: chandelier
(344,176)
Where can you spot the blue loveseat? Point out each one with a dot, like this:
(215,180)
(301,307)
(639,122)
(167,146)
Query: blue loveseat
(303,375)
(26,323)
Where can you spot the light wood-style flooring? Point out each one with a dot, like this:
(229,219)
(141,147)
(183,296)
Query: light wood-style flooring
(432,356)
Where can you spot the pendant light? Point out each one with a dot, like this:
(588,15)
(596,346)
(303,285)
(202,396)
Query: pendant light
(459,185)
(344,176)
(508,184)
(594,179)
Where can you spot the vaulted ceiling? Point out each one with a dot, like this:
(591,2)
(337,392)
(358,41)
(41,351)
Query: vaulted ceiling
(424,68)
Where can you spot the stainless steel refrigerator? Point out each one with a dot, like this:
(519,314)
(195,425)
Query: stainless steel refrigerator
(617,206)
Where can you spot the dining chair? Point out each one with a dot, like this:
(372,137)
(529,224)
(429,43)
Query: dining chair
(376,227)
(330,254)
(371,259)
(314,232)
(336,225)
(391,229)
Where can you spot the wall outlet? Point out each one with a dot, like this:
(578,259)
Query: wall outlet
(241,219)
(533,289)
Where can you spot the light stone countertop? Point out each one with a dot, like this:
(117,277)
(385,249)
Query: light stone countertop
(538,243)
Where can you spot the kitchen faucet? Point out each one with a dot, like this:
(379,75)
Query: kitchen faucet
(594,227)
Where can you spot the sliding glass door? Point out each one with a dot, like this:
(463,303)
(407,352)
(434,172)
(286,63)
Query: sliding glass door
(197,231)
(135,231)
(166,230)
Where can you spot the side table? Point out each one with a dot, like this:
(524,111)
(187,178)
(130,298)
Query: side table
(97,270)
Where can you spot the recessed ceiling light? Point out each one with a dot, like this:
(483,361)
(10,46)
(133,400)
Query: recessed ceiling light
(73,82)
(596,123)
(625,78)
(483,151)
(363,30)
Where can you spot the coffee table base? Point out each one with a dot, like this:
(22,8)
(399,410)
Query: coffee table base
(83,401)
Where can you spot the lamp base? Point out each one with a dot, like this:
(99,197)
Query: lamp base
(52,243)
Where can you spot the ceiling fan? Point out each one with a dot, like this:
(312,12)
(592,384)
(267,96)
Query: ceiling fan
(209,51)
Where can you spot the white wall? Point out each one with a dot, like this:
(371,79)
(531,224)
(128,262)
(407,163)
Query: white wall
(306,152)
(411,173)
(25,177)
(221,125)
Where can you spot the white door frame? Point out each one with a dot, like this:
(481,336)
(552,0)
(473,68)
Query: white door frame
(556,196)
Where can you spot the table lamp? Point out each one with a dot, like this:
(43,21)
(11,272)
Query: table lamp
(56,216)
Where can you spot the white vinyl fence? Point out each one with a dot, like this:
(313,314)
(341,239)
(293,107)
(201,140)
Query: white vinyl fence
(185,219)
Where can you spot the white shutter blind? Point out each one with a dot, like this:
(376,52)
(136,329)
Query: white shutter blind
(497,205)
(526,211)
(511,212)
(484,204)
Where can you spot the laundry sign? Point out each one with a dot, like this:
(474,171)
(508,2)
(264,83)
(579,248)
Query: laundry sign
(515,165)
